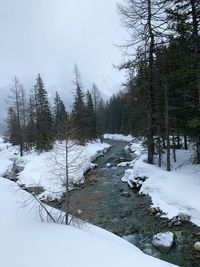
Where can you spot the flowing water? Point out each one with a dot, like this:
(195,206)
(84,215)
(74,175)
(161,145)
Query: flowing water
(102,204)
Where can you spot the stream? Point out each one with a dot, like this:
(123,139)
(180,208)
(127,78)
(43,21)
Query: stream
(101,201)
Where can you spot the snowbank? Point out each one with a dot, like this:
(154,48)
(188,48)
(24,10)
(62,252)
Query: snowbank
(25,241)
(118,137)
(173,192)
(1,140)
(8,154)
(48,168)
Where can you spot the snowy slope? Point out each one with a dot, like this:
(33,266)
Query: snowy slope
(25,241)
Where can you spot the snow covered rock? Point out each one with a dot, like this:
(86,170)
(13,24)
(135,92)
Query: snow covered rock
(118,137)
(133,180)
(197,246)
(125,164)
(108,165)
(163,241)
(183,217)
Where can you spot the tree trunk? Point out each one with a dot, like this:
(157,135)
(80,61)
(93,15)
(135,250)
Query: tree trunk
(178,141)
(198,150)
(167,128)
(174,148)
(159,153)
(150,132)
(17,100)
(185,142)
(66,183)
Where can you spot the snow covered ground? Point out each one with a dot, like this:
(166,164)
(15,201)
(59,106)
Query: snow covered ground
(47,169)
(8,154)
(118,137)
(26,241)
(173,192)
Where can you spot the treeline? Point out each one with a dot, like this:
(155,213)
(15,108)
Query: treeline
(162,96)
(33,122)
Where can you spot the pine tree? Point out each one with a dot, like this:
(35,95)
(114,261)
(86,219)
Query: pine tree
(79,110)
(90,117)
(59,118)
(31,124)
(44,131)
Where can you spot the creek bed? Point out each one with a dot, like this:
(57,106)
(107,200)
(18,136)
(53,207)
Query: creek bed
(101,202)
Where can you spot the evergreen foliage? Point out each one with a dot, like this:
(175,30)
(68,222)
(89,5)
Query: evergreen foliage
(44,122)
(60,118)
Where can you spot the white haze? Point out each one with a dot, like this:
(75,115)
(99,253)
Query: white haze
(49,36)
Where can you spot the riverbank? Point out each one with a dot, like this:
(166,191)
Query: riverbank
(37,243)
(102,202)
(47,170)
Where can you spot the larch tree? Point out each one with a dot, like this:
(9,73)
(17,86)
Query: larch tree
(145,23)
(17,114)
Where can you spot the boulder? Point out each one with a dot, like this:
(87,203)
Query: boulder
(125,194)
(108,165)
(197,246)
(163,241)
(183,217)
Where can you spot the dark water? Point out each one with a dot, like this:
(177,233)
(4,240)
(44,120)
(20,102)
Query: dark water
(102,204)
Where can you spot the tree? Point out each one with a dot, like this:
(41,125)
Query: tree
(90,117)
(31,124)
(59,117)
(44,131)
(184,17)
(144,20)
(17,115)
(79,110)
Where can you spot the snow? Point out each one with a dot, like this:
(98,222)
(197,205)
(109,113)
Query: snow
(7,155)
(172,192)
(197,246)
(118,137)
(48,168)
(163,239)
(1,140)
(26,241)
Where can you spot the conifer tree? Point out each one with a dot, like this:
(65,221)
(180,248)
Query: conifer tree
(31,128)
(143,18)
(79,109)
(90,117)
(44,134)
(59,117)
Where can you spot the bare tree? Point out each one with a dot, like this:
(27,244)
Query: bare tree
(17,103)
(65,161)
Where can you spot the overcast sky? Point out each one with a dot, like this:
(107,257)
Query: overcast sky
(49,36)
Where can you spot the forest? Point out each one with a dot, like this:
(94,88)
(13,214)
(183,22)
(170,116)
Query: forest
(161,96)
